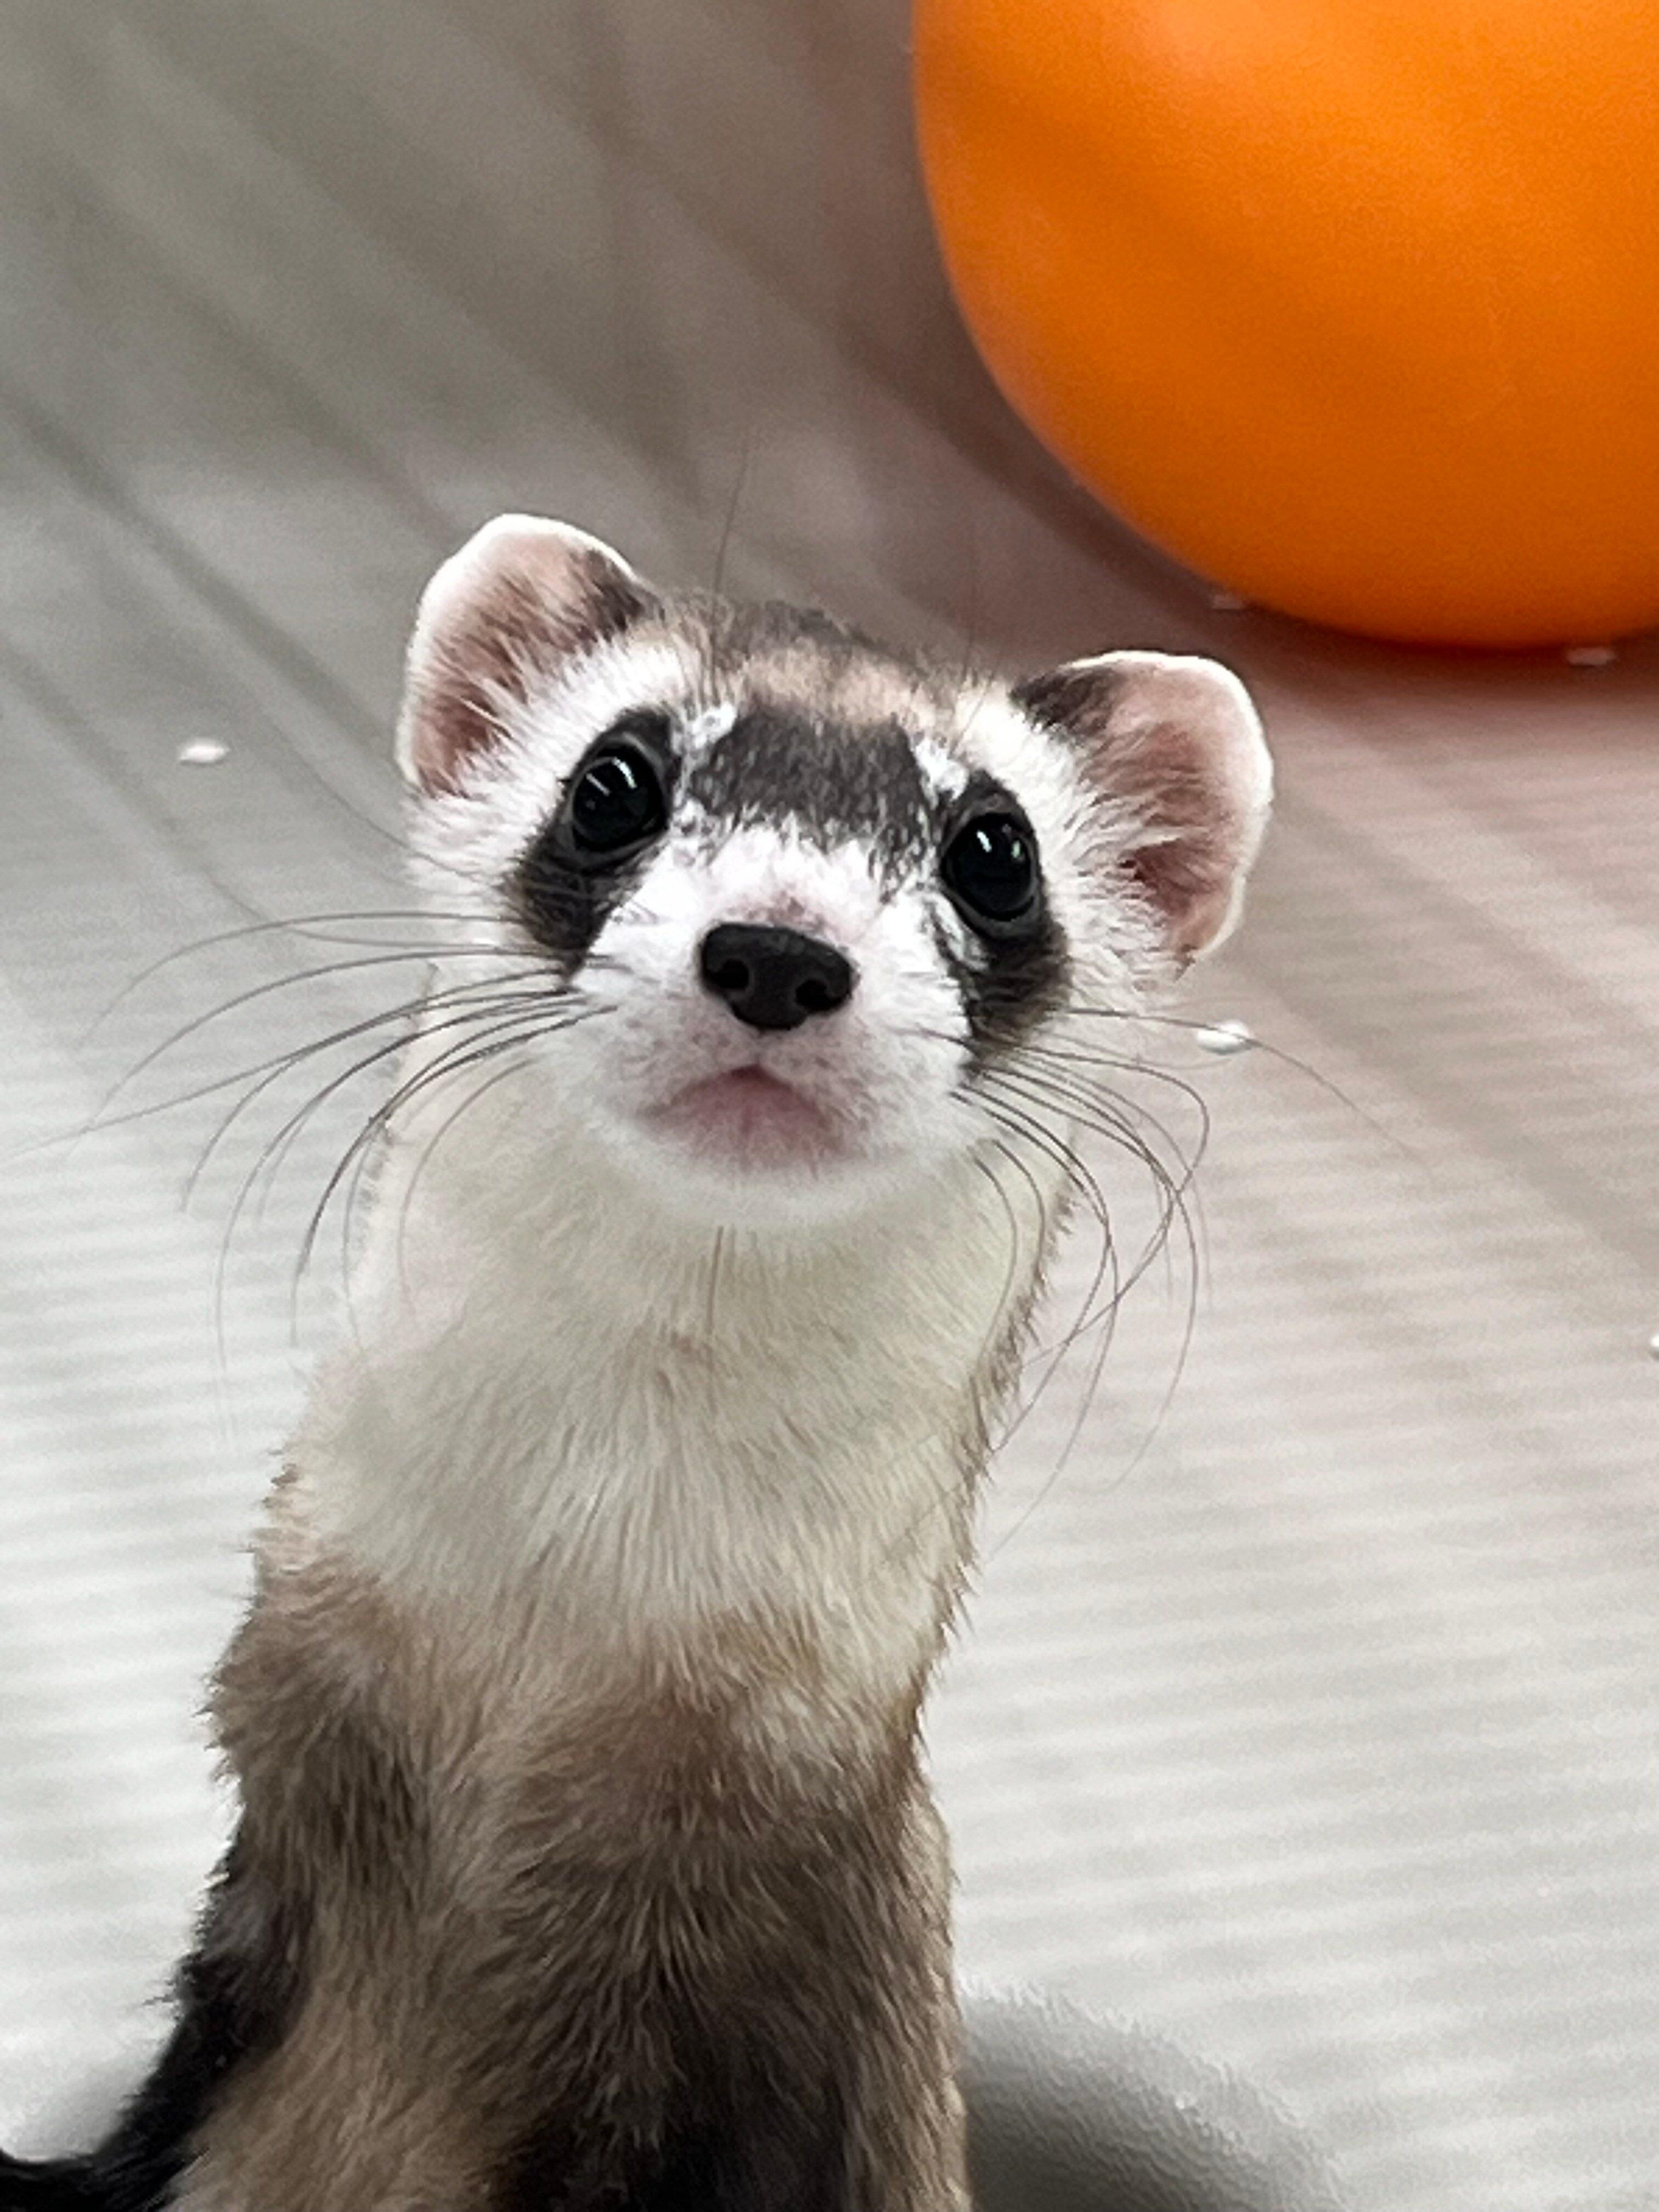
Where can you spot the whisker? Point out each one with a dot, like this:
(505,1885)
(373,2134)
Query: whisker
(733,505)
(1098,1117)
(317,928)
(521,1028)
(1012,1115)
(568,1018)
(279,1062)
(1105,1266)
(1139,1067)
(1016,1121)
(1010,1273)
(514,1067)
(462,1007)
(275,1146)
(1080,1419)
(1189,1025)
(1173,1193)
(101,1118)
(354,1161)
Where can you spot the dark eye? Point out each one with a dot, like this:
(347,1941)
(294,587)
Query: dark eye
(990,870)
(617,801)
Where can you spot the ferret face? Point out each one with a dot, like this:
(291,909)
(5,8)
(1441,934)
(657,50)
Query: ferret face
(799,906)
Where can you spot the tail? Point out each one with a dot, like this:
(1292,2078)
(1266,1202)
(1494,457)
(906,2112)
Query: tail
(232,1997)
(60,2184)
(134,2168)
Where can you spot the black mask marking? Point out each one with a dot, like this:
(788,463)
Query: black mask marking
(1007,988)
(1009,977)
(566,884)
(833,784)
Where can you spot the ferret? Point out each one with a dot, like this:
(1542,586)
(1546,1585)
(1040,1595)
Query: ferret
(585,1859)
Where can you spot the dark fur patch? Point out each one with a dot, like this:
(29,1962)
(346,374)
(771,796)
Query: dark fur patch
(1009,984)
(1007,988)
(833,784)
(330,1809)
(1190,838)
(787,2038)
(234,1993)
(1072,700)
(613,1958)
(563,900)
(563,906)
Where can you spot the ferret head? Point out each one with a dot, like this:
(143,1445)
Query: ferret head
(789,909)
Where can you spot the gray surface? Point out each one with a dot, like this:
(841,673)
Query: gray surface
(1070,2114)
(1320,1735)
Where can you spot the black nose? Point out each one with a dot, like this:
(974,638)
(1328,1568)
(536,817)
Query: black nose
(773,979)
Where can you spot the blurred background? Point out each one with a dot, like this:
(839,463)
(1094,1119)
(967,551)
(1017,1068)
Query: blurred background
(1309,1718)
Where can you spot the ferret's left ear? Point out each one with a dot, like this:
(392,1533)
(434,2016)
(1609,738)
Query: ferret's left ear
(1176,744)
(522,595)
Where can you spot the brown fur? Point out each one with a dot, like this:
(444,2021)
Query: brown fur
(580,1953)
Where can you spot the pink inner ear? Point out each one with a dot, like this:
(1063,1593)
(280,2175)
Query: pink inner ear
(1195,841)
(1175,744)
(1182,861)
(505,612)
(456,698)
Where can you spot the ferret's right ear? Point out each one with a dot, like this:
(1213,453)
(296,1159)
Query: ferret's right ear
(521,596)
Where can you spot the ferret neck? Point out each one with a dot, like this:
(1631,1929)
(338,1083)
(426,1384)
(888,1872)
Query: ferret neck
(548,1398)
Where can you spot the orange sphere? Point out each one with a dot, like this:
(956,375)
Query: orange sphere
(1352,305)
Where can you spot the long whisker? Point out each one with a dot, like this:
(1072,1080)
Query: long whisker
(570,1015)
(362,1150)
(462,1008)
(1106,1268)
(315,928)
(1108,1115)
(250,997)
(519,1028)
(733,505)
(1099,1117)
(1141,1070)
(1011,1272)
(279,1062)
(286,1134)
(1188,1025)
(1072,1166)
(945,1496)
(1076,1101)
(1017,1118)
(1085,1401)
(514,1067)
(353,1163)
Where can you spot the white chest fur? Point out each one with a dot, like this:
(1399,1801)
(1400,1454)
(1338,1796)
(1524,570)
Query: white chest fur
(570,1423)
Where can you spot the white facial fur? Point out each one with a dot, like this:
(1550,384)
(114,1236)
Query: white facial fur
(653,1380)
(891,1072)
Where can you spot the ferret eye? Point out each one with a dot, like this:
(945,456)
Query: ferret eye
(617,802)
(990,869)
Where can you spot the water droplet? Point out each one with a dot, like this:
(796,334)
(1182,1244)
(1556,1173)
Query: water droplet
(1224,1037)
(202,752)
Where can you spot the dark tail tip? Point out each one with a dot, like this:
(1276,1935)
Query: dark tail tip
(50,2185)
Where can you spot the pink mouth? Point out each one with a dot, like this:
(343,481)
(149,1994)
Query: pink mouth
(749,1116)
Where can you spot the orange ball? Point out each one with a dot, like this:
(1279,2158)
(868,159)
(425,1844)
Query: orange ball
(1352,305)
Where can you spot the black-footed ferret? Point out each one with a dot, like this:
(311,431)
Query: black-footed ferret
(585,1860)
